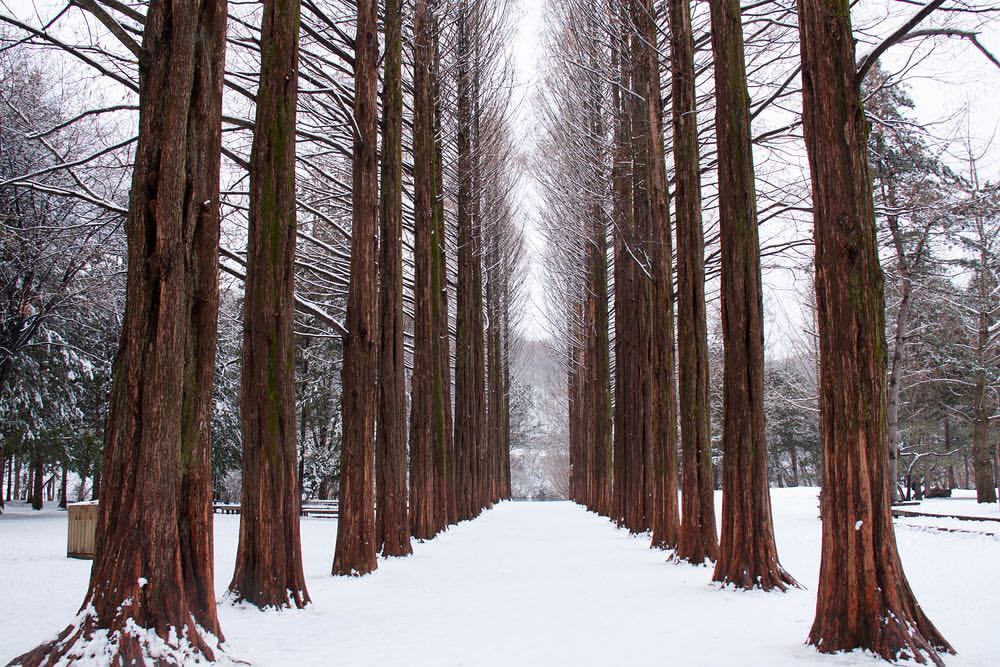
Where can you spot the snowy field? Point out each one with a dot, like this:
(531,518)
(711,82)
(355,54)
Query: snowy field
(536,584)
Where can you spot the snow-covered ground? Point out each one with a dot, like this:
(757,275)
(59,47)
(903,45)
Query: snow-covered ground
(527,584)
(962,503)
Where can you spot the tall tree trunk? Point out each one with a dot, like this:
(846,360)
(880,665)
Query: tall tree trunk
(468,342)
(37,477)
(158,422)
(984,461)
(982,449)
(899,342)
(864,600)
(494,371)
(642,418)
(624,271)
(392,526)
(748,557)
(422,489)
(269,558)
(63,484)
(17,478)
(697,539)
(600,381)
(445,507)
(355,552)
(662,511)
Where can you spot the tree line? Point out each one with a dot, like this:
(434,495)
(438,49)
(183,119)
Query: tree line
(352,166)
(709,107)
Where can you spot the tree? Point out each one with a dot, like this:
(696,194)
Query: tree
(356,548)
(392,526)
(653,216)
(161,396)
(697,539)
(423,415)
(748,557)
(911,188)
(864,600)
(980,314)
(470,404)
(269,558)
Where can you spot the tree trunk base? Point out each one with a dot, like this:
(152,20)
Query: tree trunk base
(765,579)
(892,639)
(126,644)
(265,600)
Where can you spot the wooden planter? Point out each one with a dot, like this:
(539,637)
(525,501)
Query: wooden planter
(82,528)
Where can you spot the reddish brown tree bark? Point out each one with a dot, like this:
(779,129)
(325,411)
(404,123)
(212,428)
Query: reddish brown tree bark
(469,398)
(392,526)
(623,274)
(153,564)
(864,600)
(662,510)
(423,524)
(355,552)
(748,556)
(697,539)
(269,558)
(445,507)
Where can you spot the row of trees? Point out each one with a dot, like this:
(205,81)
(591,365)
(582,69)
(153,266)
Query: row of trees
(412,261)
(605,182)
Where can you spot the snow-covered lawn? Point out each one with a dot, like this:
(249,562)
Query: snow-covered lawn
(962,503)
(536,584)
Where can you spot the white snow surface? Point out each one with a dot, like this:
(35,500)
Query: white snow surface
(541,584)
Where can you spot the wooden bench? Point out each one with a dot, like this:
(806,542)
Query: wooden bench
(327,509)
(226,508)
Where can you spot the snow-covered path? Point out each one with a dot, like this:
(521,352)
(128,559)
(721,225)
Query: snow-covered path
(528,584)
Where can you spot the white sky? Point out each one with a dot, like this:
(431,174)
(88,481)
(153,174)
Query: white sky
(526,51)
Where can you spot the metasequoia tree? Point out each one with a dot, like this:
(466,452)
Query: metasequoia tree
(151,587)
(470,404)
(697,539)
(576,187)
(269,558)
(426,411)
(446,510)
(392,526)
(748,557)
(652,212)
(864,600)
(356,548)
(632,291)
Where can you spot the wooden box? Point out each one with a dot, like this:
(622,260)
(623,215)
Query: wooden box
(82,529)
